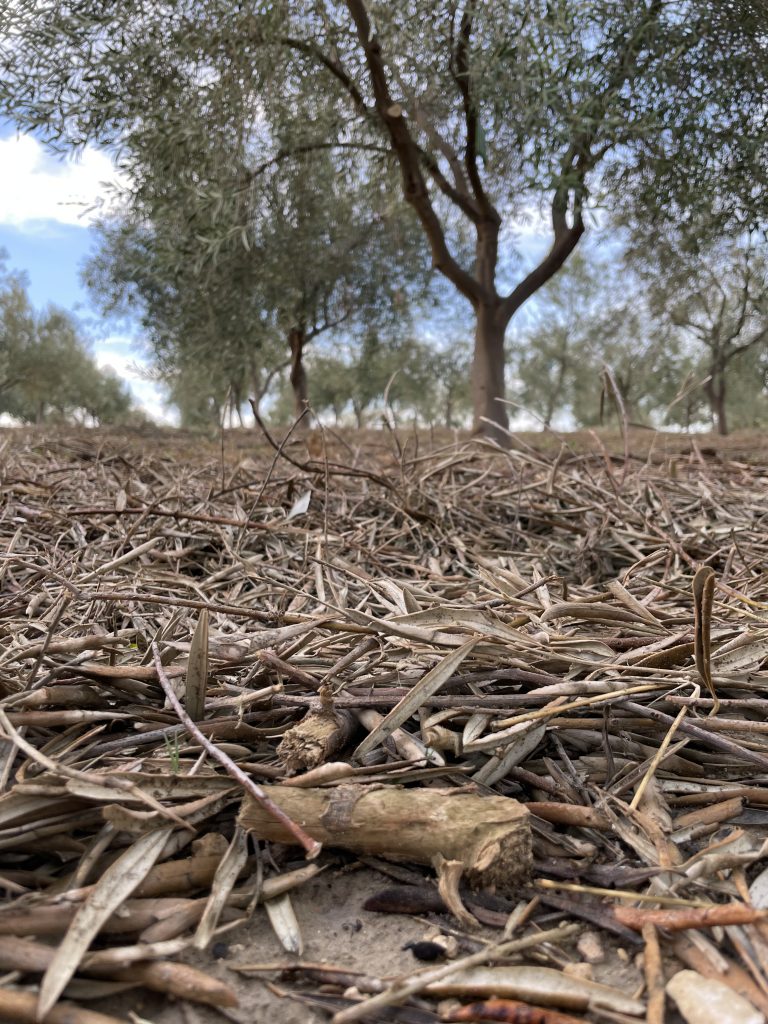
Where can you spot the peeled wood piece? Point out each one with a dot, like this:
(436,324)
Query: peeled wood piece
(315,739)
(491,836)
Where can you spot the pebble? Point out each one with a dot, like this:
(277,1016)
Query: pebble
(591,948)
(583,971)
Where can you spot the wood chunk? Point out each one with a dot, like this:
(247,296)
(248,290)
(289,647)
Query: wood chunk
(491,836)
(315,739)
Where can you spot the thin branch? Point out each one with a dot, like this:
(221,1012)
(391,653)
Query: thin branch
(332,468)
(328,325)
(464,202)
(311,845)
(335,67)
(442,146)
(313,147)
(578,159)
(460,72)
(745,346)
(409,157)
(741,316)
(460,188)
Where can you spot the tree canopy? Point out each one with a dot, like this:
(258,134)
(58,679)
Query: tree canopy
(46,370)
(493,113)
(683,346)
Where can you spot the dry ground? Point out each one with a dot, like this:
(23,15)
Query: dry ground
(364,562)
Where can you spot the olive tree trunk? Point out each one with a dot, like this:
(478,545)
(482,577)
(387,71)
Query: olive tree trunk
(297,338)
(715,392)
(488,367)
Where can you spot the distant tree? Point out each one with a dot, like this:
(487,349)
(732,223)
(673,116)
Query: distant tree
(712,295)
(205,330)
(546,352)
(747,399)
(623,351)
(450,396)
(109,401)
(46,370)
(593,334)
(17,335)
(238,268)
(332,383)
(490,111)
(403,372)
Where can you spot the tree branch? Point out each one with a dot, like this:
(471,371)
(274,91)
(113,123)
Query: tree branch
(437,142)
(761,335)
(335,67)
(460,72)
(579,159)
(312,147)
(562,247)
(460,198)
(741,316)
(327,325)
(311,846)
(442,146)
(409,157)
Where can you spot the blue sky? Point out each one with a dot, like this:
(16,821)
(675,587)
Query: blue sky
(46,219)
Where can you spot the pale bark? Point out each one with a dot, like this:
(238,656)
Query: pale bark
(489,835)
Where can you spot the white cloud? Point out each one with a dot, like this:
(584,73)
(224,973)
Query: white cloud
(36,186)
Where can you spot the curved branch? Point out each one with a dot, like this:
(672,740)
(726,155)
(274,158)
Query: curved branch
(457,197)
(312,147)
(565,242)
(409,157)
(335,67)
(578,160)
(460,72)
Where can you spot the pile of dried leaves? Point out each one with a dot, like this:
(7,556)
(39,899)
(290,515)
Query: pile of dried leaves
(541,678)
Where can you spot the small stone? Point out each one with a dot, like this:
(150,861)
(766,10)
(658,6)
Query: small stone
(583,971)
(591,948)
(426,950)
(706,1001)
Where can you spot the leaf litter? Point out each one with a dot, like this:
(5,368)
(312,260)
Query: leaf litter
(570,663)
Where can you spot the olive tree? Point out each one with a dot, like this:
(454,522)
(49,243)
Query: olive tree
(228,266)
(493,112)
(46,369)
(712,298)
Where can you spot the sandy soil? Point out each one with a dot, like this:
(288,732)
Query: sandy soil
(336,930)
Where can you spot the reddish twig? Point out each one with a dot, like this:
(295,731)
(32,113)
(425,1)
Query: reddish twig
(311,845)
